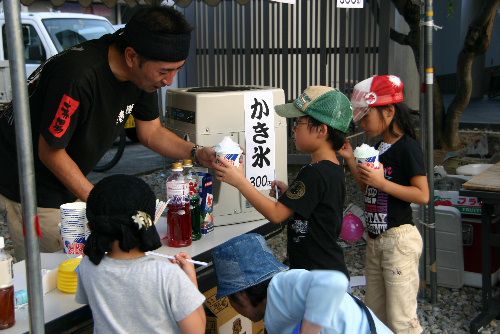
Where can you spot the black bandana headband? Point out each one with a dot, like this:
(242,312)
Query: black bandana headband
(157,46)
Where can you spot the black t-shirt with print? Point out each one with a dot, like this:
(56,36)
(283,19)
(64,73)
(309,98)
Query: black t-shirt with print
(402,161)
(79,105)
(317,198)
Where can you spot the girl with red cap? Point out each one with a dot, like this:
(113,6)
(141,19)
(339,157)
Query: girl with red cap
(394,245)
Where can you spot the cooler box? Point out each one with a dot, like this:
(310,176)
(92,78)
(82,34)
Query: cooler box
(470,209)
(449,258)
(473,263)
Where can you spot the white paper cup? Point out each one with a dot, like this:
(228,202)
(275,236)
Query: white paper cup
(73,243)
(233,157)
(370,161)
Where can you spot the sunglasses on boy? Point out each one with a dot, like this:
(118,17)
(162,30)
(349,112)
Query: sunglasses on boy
(296,123)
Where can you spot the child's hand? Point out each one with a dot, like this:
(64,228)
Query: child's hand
(282,187)
(186,266)
(372,176)
(227,172)
(346,151)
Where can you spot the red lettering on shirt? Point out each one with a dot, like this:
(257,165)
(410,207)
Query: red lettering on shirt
(62,119)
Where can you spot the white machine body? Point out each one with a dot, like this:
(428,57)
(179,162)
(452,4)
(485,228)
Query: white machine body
(205,118)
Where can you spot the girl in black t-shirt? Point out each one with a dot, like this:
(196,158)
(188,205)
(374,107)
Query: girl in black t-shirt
(394,245)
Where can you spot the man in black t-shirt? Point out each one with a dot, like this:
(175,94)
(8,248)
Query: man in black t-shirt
(79,101)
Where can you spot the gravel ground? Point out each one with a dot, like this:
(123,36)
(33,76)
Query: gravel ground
(451,314)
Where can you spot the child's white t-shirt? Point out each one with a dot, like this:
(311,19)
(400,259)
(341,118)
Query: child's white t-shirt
(143,295)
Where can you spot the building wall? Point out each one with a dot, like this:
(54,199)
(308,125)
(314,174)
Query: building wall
(402,63)
(455,26)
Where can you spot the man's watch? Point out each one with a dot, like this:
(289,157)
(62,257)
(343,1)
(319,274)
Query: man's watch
(193,153)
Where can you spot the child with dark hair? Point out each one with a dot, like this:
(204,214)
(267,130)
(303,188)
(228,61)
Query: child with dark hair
(313,204)
(129,292)
(394,245)
(259,287)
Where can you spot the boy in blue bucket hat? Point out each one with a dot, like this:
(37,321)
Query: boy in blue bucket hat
(258,286)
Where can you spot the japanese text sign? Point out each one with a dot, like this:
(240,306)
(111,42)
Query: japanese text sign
(260,159)
(350,3)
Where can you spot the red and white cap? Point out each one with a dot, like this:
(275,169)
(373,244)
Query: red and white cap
(379,90)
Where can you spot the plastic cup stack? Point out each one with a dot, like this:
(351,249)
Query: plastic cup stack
(67,277)
(74,229)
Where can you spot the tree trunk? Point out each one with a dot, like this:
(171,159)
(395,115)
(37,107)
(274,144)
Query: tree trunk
(476,42)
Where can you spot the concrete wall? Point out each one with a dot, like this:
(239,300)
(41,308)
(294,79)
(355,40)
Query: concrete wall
(402,63)
(455,26)
(492,58)
(447,41)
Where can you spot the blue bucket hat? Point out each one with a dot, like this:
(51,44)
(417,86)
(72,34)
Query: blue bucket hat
(242,262)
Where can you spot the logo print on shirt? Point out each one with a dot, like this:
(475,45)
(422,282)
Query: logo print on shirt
(296,190)
(301,228)
(122,115)
(62,119)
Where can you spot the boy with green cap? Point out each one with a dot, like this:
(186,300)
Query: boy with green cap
(313,204)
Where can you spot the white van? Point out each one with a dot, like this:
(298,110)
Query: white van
(46,34)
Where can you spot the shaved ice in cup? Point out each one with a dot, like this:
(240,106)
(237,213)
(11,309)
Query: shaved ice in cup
(366,154)
(228,149)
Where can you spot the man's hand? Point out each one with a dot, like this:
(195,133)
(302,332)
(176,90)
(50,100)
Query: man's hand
(206,156)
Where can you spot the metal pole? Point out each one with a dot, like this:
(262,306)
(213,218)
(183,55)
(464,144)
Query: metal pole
(429,83)
(423,131)
(25,162)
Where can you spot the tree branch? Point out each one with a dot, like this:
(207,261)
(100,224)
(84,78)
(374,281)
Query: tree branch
(398,37)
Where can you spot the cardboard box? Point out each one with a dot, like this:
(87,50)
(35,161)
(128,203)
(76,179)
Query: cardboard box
(223,319)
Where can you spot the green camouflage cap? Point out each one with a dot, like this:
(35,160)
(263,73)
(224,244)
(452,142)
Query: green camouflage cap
(325,104)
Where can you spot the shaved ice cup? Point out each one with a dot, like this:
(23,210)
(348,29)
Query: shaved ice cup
(228,149)
(367,155)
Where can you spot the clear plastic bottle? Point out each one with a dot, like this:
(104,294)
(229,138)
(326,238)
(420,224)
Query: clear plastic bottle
(179,230)
(7,315)
(176,182)
(194,198)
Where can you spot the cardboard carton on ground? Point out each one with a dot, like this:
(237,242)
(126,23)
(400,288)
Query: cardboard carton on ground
(223,319)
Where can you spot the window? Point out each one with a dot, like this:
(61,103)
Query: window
(34,51)
(66,33)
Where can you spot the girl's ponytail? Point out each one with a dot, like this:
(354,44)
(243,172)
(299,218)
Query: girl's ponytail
(402,117)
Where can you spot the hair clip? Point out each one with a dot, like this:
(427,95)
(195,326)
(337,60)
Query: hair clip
(142,219)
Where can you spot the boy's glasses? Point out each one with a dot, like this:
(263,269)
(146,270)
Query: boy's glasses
(296,123)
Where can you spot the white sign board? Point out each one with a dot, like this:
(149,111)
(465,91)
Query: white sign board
(350,3)
(291,2)
(260,160)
